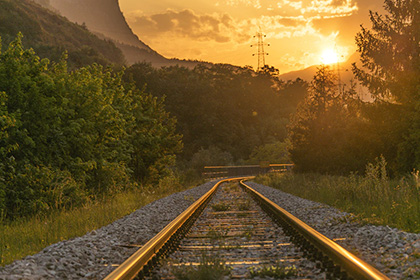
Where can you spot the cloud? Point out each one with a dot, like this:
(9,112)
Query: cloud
(297,5)
(216,27)
(248,3)
(330,7)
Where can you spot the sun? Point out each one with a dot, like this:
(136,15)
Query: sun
(329,56)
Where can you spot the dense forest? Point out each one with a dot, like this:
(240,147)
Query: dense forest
(230,110)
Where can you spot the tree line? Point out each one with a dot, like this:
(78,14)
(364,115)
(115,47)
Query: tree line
(225,113)
(335,132)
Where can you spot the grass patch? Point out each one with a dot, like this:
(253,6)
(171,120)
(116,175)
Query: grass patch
(217,234)
(244,205)
(221,206)
(28,236)
(277,271)
(210,268)
(248,232)
(231,187)
(373,198)
(242,214)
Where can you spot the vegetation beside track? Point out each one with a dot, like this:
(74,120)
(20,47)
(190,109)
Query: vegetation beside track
(372,198)
(28,236)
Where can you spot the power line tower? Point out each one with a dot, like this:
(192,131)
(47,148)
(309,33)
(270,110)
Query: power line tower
(260,50)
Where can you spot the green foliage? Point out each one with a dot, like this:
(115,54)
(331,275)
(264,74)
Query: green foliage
(278,271)
(324,130)
(50,35)
(391,70)
(276,152)
(7,122)
(221,206)
(222,109)
(27,236)
(210,268)
(212,156)
(373,198)
(72,136)
(41,189)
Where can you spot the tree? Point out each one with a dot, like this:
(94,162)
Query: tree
(390,55)
(323,127)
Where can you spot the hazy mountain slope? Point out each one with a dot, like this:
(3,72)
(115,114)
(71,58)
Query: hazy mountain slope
(101,16)
(307,74)
(346,74)
(105,17)
(50,34)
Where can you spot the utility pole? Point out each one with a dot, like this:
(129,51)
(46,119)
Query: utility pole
(260,50)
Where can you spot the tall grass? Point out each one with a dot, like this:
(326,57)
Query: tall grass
(373,198)
(28,236)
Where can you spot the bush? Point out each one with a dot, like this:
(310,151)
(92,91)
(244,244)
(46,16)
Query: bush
(274,153)
(66,136)
(210,156)
(374,197)
(40,189)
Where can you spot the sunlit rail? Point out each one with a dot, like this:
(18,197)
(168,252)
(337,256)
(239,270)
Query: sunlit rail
(334,259)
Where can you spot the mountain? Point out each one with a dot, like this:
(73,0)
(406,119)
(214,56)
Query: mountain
(105,19)
(50,35)
(346,74)
(100,16)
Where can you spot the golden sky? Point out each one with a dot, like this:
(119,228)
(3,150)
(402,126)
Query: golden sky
(221,31)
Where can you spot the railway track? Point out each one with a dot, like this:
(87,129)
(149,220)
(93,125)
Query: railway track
(226,234)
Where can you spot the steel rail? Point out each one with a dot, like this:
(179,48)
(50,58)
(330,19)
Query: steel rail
(135,263)
(355,267)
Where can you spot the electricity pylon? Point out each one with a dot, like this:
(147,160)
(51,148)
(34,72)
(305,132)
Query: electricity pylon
(260,50)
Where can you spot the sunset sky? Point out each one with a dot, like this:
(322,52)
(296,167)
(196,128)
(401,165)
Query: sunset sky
(299,32)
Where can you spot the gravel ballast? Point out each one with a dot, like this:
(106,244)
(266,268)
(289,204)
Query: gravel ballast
(395,253)
(91,256)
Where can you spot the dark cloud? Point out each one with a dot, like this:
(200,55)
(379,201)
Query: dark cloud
(186,23)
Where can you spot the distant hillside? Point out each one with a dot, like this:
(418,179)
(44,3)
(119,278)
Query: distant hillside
(50,35)
(346,74)
(307,74)
(104,18)
(100,16)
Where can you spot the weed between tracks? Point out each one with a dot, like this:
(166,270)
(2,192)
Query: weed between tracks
(244,205)
(217,234)
(220,207)
(211,267)
(277,271)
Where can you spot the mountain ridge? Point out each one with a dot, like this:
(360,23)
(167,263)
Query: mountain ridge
(50,35)
(105,19)
(344,68)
